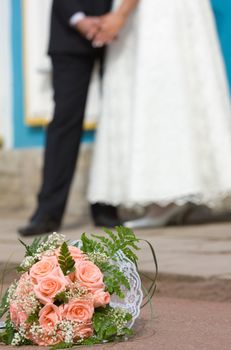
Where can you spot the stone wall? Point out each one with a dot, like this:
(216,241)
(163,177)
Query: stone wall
(20,176)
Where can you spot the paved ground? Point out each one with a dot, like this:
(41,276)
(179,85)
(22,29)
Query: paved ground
(178,325)
(193,303)
(199,251)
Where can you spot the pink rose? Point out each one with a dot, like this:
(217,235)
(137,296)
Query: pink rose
(83,331)
(43,268)
(101,298)
(79,310)
(71,277)
(49,316)
(76,253)
(48,287)
(89,275)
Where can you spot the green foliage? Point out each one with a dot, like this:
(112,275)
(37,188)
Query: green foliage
(61,298)
(66,262)
(27,342)
(7,336)
(4,338)
(31,250)
(4,306)
(20,269)
(90,245)
(114,279)
(106,325)
(90,341)
(122,240)
(33,318)
(62,345)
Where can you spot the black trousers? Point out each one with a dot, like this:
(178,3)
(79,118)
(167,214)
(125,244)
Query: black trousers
(71,77)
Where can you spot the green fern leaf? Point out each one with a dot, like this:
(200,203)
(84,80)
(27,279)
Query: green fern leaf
(66,262)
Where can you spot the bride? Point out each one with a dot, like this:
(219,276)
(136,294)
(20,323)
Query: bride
(164,137)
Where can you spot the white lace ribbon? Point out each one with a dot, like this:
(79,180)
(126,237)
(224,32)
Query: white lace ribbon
(134,296)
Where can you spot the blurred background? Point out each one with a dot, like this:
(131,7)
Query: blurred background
(26,102)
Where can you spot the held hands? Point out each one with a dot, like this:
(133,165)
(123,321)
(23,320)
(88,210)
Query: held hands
(101,30)
(88,27)
(110,26)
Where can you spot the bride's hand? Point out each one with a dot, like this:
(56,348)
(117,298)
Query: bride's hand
(88,27)
(110,27)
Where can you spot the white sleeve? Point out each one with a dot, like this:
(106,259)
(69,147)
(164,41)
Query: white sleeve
(78,16)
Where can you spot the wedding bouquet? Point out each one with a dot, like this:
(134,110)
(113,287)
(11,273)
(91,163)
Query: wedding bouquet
(68,294)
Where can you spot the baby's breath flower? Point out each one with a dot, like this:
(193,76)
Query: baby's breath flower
(98,257)
(74,291)
(25,298)
(53,241)
(11,291)
(35,329)
(67,330)
(19,337)
(119,317)
(46,248)
(49,253)
(16,340)
(28,262)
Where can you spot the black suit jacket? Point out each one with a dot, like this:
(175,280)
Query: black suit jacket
(63,38)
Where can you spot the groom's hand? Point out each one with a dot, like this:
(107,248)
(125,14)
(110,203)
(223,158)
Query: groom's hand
(88,27)
(110,26)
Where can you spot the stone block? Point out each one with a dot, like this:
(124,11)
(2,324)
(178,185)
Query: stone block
(20,178)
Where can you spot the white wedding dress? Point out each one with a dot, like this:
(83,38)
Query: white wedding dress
(165,130)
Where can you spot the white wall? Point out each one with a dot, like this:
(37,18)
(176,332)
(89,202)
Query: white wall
(36,17)
(37,68)
(6,125)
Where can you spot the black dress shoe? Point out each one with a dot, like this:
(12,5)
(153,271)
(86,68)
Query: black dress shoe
(104,215)
(38,227)
(107,222)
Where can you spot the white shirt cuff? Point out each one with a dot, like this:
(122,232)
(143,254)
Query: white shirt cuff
(78,16)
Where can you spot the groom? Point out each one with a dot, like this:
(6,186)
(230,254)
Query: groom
(74,23)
